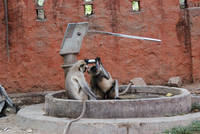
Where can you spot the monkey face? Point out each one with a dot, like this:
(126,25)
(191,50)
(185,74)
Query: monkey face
(82,66)
(93,71)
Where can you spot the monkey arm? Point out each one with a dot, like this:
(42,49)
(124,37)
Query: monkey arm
(86,89)
(106,74)
(3,93)
(96,89)
(100,67)
(2,105)
(7,99)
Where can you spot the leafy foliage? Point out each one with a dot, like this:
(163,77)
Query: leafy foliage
(193,128)
(195,106)
(135,6)
(88,9)
(40,2)
(182,3)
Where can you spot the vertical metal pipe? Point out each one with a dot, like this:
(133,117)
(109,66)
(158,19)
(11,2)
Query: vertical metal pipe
(69,60)
(7,30)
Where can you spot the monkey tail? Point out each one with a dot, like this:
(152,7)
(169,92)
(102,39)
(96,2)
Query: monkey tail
(66,131)
(123,92)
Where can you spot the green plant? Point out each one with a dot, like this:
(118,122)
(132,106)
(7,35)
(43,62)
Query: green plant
(193,128)
(135,5)
(195,106)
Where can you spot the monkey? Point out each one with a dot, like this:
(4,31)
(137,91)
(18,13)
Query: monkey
(103,87)
(101,82)
(76,85)
(6,102)
(77,88)
(99,66)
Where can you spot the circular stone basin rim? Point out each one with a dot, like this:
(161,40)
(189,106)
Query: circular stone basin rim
(39,121)
(180,103)
(182,90)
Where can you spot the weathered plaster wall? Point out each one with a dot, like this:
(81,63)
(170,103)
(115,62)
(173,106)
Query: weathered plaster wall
(195,40)
(194,23)
(34,46)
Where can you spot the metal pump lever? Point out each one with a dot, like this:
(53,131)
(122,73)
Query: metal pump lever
(75,33)
(125,36)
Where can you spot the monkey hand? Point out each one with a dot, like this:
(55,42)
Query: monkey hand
(98,59)
(86,60)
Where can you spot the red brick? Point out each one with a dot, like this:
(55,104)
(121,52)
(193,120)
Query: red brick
(34,46)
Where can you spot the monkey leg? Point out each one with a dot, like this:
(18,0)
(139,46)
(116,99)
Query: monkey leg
(113,93)
(116,87)
(100,95)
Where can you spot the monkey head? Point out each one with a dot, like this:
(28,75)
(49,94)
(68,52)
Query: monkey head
(80,65)
(93,71)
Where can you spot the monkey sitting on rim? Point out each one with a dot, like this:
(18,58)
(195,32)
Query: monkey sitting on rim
(102,83)
(76,85)
(77,88)
(103,88)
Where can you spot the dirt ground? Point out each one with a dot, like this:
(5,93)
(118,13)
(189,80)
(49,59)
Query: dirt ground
(8,124)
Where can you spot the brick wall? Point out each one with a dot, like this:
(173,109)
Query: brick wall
(34,46)
(195,39)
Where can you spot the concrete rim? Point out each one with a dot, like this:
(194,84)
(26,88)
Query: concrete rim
(184,93)
(129,108)
(195,99)
(33,117)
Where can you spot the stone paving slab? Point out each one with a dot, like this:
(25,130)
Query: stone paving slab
(33,117)
(8,125)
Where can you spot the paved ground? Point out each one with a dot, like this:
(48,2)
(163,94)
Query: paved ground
(8,126)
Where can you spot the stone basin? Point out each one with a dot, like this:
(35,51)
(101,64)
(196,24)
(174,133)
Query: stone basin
(58,105)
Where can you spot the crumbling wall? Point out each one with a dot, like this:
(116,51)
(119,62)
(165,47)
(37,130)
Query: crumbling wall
(34,46)
(194,11)
(195,39)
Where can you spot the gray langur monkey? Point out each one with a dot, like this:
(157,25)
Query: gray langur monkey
(77,88)
(103,87)
(76,85)
(5,102)
(102,83)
